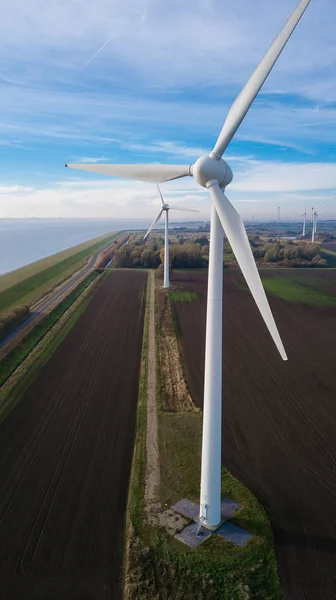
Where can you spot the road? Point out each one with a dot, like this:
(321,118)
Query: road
(51,298)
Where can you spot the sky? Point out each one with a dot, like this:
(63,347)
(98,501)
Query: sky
(152,81)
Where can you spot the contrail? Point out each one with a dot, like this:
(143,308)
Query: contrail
(103,46)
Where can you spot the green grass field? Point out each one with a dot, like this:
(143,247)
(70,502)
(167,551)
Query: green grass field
(229,567)
(180,296)
(27,284)
(298,290)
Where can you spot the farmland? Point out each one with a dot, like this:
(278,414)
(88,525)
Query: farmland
(278,418)
(65,455)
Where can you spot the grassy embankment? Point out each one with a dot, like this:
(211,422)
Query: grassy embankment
(16,356)
(330,257)
(162,567)
(25,285)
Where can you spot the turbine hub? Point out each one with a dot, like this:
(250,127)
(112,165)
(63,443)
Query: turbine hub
(165,206)
(207,168)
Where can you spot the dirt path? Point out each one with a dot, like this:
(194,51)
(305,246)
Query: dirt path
(153,465)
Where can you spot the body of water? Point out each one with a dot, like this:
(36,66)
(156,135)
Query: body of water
(23,241)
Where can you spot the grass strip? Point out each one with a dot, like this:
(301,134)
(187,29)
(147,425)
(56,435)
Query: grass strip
(14,358)
(181,296)
(138,476)
(218,568)
(160,567)
(295,291)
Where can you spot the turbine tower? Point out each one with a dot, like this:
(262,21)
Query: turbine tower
(315,221)
(165,209)
(278,214)
(304,215)
(213,173)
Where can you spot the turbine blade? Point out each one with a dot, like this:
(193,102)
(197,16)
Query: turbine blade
(323,207)
(246,97)
(160,194)
(182,208)
(154,223)
(150,173)
(237,236)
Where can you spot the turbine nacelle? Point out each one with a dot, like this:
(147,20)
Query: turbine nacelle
(165,206)
(208,169)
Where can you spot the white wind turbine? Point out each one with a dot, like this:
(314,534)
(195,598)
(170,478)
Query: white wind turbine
(304,215)
(165,209)
(315,214)
(213,173)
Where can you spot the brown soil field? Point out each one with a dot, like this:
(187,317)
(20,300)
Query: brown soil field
(65,456)
(278,419)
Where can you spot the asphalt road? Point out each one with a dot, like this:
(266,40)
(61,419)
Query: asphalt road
(49,300)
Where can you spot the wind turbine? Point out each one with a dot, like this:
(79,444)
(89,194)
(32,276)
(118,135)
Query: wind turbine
(304,215)
(278,214)
(214,173)
(315,213)
(165,209)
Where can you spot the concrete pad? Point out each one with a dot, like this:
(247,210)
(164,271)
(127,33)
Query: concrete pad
(171,521)
(186,536)
(229,508)
(234,534)
(187,508)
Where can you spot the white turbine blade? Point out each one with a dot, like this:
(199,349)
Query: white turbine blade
(160,194)
(237,236)
(150,173)
(323,207)
(246,97)
(154,223)
(182,208)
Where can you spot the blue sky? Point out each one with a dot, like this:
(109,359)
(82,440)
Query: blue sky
(159,91)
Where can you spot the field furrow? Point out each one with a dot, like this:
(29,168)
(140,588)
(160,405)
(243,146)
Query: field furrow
(66,452)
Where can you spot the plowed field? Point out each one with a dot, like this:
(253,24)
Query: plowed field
(279,419)
(65,456)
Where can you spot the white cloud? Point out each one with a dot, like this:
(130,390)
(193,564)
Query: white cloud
(160,91)
(286,177)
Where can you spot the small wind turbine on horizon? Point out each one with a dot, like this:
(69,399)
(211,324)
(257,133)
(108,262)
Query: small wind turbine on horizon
(165,209)
(213,173)
(304,215)
(278,218)
(315,214)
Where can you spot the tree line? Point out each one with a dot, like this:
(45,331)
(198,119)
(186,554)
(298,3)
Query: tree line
(192,252)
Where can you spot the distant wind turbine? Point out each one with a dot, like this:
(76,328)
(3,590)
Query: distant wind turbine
(213,173)
(165,209)
(304,215)
(315,214)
